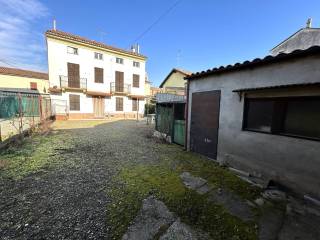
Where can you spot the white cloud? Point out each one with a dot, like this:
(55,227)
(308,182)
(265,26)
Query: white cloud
(20,44)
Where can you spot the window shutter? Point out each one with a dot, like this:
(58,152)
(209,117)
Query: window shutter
(74,102)
(119,104)
(134,104)
(136,80)
(73,75)
(98,75)
(33,86)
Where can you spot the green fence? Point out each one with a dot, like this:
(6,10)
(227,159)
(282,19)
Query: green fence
(15,105)
(164,119)
(21,111)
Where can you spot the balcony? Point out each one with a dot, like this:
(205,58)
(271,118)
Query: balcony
(75,84)
(120,89)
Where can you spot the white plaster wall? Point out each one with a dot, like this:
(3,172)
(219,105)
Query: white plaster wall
(58,59)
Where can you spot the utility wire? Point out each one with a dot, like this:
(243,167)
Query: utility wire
(157,21)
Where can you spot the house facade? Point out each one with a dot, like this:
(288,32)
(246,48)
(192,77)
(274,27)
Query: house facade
(174,82)
(261,117)
(89,79)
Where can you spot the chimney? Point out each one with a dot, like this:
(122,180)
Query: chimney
(135,48)
(309,23)
(54,25)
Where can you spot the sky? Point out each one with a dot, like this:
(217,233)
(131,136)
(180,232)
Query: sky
(191,34)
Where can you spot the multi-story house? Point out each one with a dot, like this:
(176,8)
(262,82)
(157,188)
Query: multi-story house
(89,79)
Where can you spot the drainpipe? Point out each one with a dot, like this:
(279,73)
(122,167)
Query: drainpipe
(186,109)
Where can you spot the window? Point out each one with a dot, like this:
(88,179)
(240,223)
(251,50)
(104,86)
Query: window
(74,101)
(119,60)
(119,104)
(135,80)
(136,64)
(98,75)
(72,50)
(135,104)
(98,56)
(33,86)
(290,116)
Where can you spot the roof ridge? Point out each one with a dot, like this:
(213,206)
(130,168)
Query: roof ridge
(78,38)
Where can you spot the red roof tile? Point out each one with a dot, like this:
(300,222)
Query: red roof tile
(72,37)
(23,73)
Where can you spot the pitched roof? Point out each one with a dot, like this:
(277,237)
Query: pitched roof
(182,71)
(78,39)
(302,30)
(256,62)
(23,73)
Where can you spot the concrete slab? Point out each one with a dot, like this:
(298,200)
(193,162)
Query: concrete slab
(234,204)
(195,183)
(153,218)
(181,231)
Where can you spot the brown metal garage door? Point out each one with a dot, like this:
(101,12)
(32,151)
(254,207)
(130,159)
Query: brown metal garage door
(204,126)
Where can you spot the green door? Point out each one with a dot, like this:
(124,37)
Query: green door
(178,134)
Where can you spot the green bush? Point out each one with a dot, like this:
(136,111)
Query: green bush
(149,108)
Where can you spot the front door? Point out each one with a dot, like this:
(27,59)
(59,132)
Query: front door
(204,126)
(98,107)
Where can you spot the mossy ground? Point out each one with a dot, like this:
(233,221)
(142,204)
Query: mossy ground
(118,164)
(31,155)
(134,183)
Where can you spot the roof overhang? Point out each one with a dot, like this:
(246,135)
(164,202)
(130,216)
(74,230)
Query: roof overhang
(270,88)
(256,63)
(137,96)
(98,94)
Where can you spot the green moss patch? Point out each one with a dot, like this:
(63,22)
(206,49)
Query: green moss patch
(135,183)
(33,154)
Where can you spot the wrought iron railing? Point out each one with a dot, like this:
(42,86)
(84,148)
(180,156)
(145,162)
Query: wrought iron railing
(120,88)
(66,83)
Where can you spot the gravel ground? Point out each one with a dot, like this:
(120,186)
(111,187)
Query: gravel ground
(64,197)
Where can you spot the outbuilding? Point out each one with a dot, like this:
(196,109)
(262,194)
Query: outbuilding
(262,117)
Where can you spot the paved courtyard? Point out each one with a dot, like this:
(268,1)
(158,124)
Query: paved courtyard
(89,180)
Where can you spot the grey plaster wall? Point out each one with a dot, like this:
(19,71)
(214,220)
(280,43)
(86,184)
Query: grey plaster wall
(292,161)
(303,39)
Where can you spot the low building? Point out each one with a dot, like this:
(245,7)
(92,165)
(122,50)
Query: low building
(262,117)
(174,82)
(89,79)
(14,79)
(170,117)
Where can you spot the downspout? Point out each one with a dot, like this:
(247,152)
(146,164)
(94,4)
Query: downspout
(186,109)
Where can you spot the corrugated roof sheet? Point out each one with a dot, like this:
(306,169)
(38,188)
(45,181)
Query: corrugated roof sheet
(256,62)
(278,86)
(76,38)
(23,73)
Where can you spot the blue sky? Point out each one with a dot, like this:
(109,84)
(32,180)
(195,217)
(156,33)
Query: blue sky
(204,33)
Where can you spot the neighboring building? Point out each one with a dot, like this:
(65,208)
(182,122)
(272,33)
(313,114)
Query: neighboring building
(15,79)
(302,39)
(261,117)
(175,83)
(89,79)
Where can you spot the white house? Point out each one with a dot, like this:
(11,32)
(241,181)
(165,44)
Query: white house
(88,79)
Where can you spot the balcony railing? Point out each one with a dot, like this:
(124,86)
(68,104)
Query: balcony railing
(115,88)
(66,83)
